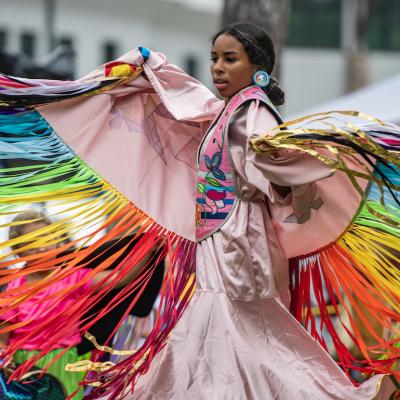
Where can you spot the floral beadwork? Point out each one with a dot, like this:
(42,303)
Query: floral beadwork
(216,185)
(216,195)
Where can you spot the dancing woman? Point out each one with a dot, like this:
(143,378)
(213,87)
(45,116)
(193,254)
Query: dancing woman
(282,214)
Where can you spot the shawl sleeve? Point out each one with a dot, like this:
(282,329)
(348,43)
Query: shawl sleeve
(283,167)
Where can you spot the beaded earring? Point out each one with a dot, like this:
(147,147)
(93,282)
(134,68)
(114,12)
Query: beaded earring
(261,78)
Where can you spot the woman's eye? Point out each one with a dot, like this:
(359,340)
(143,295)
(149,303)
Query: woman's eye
(213,60)
(230,60)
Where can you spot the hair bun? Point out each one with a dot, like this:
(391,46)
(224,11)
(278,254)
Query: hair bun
(275,93)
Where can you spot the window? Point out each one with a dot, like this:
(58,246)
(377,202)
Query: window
(384,27)
(63,62)
(110,51)
(28,44)
(66,42)
(191,66)
(315,23)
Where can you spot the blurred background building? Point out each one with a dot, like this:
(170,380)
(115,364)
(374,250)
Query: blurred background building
(68,38)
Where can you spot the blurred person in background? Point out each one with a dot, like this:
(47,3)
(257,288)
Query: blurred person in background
(32,227)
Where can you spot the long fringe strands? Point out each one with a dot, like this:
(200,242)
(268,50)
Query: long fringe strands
(336,145)
(355,281)
(120,379)
(90,205)
(19,94)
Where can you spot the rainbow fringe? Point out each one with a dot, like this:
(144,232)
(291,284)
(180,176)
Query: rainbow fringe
(93,206)
(346,292)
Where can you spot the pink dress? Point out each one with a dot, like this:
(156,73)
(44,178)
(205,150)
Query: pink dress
(35,310)
(237,340)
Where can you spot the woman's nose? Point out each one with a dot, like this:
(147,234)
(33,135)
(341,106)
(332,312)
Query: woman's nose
(218,66)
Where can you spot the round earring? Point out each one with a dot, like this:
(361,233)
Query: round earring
(261,78)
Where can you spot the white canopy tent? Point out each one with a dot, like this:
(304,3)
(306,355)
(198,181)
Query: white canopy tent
(381,99)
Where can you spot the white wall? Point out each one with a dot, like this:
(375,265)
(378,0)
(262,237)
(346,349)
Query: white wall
(178,28)
(311,76)
(170,27)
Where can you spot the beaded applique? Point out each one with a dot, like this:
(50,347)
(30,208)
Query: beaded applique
(216,181)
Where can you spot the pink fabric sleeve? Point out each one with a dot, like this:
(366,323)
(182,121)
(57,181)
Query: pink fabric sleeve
(78,276)
(152,127)
(74,278)
(10,315)
(284,168)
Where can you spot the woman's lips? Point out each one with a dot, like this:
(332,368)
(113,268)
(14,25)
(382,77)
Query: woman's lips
(220,85)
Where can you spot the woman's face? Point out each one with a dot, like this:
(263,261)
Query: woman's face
(231,69)
(31,227)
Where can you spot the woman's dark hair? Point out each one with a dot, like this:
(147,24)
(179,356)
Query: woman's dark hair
(260,50)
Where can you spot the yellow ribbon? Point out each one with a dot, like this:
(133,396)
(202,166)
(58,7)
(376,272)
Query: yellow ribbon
(87,365)
(107,349)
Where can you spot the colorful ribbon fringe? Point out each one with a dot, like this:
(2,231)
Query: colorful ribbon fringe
(62,179)
(354,281)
